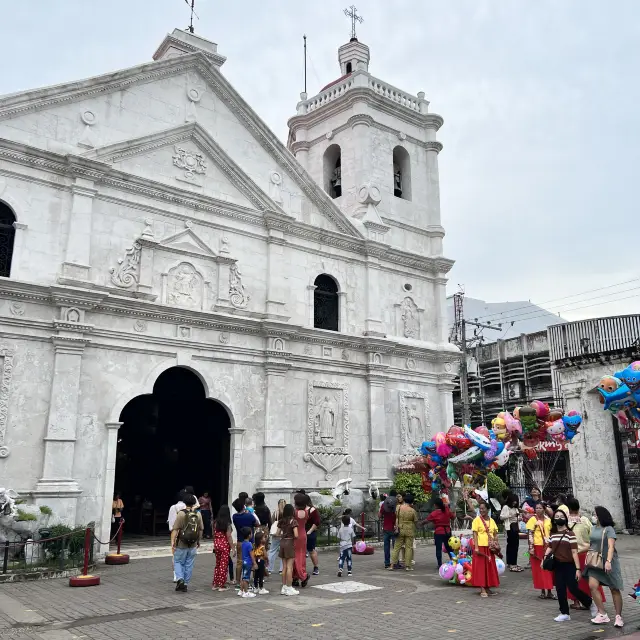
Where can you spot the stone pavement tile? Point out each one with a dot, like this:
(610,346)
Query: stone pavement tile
(140,602)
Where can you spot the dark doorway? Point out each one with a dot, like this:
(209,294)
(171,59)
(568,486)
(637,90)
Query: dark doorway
(170,439)
(326,303)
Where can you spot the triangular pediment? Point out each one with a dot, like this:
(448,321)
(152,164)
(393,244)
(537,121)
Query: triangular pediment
(121,92)
(188,241)
(186,156)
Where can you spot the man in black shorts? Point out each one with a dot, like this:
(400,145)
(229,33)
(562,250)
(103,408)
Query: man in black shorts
(313,522)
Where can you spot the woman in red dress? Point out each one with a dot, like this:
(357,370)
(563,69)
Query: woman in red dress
(300,576)
(539,529)
(484,573)
(222,544)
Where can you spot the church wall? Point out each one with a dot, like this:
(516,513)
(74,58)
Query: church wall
(27,408)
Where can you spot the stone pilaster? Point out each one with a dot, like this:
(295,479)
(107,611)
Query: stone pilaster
(378,445)
(276,295)
(440,296)
(224,267)
(57,487)
(433,178)
(109,482)
(273,467)
(373,321)
(235,472)
(361,127)
(445,390)
(77,260)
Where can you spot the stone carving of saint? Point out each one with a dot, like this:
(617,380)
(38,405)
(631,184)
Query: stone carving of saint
(397,181)
(326,421)
(410,319)
(183,288)
(414,426)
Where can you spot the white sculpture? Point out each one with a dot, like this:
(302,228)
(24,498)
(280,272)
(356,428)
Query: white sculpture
(341,488)
(374,490)
(8,502)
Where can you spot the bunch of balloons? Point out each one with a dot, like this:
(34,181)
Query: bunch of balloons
(534,423)
(459,568)
(464,453)
(620,394)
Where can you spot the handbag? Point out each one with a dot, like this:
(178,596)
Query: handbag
(594,559)
(494,545)
(549,561)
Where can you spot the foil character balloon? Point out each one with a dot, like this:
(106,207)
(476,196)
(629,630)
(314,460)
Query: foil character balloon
(513,424)
(571,423)
(556,428)
(456,439)
(630,376)
(528,419)
(442,448)
(499,427)
(454,543)
(503,456)
(482,430)
(427,447)
(541,409)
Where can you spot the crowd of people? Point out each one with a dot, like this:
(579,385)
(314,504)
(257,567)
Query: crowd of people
(568,552)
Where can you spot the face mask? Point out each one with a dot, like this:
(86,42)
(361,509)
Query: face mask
(594,520)
(560,521)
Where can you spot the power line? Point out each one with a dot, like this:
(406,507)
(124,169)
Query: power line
(610,286)
(508,318)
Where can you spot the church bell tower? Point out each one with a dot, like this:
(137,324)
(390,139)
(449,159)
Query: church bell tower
(373,149)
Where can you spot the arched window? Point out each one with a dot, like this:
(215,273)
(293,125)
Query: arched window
(349,67)
(325,303)
(401,173)
(333,171)
(7,236)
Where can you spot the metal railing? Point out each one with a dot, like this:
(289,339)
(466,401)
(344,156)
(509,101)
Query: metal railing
(49,553)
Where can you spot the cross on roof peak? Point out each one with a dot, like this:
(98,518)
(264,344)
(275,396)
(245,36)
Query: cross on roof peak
(352,13)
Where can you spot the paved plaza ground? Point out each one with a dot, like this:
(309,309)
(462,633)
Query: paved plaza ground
(138,601)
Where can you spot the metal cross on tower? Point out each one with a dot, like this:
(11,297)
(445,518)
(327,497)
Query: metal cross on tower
(352,13)
(191,3)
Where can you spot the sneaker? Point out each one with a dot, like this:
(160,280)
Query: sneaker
(619,622)
(184,588)
(291,591)
(339,574)
(563,617)
(179,584)
(283,591)
(593,609)
(175,578)
(349,575)
(316,571)
(303,584)
(241,593)
(263,592)
(601,618)
(249,594)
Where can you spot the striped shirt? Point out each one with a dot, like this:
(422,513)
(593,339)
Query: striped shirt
(562,545)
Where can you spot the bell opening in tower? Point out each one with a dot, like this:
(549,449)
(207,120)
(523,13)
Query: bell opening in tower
(333,171)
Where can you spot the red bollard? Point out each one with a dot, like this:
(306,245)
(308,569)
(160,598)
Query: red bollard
(85,580)
(117,558)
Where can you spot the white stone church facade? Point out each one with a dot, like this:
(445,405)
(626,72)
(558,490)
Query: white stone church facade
(151,220)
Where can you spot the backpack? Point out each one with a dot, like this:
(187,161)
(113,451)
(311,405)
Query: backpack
(189,534)
(390,504)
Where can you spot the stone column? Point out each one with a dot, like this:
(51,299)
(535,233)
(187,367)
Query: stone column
(275,276)
(77,261)
(378,445)
(373,322)
(360,125)
(442,319)
(273,456)
(445,389)
(57,488)
(235,464)
(104,532)
(433,147)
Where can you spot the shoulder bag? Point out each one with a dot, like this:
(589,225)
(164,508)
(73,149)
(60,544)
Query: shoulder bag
(494,545)
(595,559)
(549,561)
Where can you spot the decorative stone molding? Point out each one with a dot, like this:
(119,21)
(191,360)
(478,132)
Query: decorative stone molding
(411,364)
(410,319)
(328,426)
(195,89)
(307,350)
(140,326)
(184,286)
(126,274)
(237,295)
(433,146)
(192,162)
(224,337)
(6,375)
(183,331)
(345,355)
(327,352)
(414,422)
(275,182)
(88,139)
(17,309)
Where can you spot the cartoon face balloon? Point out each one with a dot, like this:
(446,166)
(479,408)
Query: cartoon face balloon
(556,428)
(528,419)
(541,409)
(454,543)
(499,426)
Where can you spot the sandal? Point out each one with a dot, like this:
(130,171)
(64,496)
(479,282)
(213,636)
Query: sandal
(484,595)
(542,597)
(552,596)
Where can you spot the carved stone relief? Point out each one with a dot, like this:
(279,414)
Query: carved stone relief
(328,426)
(345,355)
(237,294)
(6,374)
(184,286)
(72,315)
(278,344)
(307,349)
(192,164)
(140,326)
(195,88)
(275,182)
(127,273)
(410,321)
(16,309)
(88,138)
(411,364)
(224,337)
(327,352)
(414,422)
(184,332)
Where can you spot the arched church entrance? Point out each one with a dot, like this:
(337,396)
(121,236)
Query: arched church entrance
(169,439)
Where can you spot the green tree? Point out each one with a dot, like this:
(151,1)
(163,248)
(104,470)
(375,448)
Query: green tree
(495,485)
(406,482)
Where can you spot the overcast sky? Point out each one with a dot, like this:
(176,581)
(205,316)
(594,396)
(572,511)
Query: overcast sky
(540,167)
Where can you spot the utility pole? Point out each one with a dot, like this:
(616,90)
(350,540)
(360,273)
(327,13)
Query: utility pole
(459,337)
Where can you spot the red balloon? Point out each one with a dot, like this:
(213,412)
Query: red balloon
(482,430)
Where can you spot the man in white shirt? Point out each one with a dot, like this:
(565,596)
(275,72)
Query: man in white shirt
(174,510)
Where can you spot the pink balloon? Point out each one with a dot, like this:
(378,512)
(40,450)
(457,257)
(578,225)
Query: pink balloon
(361,546)
(447,571)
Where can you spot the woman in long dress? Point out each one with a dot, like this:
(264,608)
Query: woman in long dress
(222,544)
(484,573)
(301,513)
(603,540)
(539,530)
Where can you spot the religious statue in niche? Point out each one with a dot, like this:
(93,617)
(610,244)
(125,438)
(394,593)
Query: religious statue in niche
(237,294)
(184,288)
(325,421)
(410,322)
(397,181)
(415,433)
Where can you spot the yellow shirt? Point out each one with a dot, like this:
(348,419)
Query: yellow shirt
(479,527)
(532,525)
(581,526)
